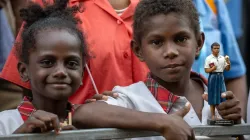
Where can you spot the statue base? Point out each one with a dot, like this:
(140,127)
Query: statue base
(220,122)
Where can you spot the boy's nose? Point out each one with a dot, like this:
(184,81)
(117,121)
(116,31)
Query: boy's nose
(170,51)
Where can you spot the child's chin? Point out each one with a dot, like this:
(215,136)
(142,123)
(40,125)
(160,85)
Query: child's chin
(172,78)
(60,95)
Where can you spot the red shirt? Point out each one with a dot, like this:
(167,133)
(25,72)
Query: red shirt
(26,108)
(164,97)
(112,60)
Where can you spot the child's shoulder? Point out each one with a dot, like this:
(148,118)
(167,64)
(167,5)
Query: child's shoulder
(10,120)
(11,114)
(199,77)
(139,86)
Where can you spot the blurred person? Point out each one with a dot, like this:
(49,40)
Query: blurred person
(10,94)
(217,28)
(12,8)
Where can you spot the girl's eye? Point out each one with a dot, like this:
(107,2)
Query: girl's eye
(46,63)
(181,39)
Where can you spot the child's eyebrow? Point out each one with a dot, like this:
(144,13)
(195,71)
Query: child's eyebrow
(52,56)
(46,56)
(183,32)
(154,35)
(73,57)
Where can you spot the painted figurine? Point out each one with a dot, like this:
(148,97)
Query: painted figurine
(215,65)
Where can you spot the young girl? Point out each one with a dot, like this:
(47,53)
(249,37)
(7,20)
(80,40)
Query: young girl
(52,54)
(167,38)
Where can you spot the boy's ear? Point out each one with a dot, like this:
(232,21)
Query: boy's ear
(23,71)
(200,43)
(137,50)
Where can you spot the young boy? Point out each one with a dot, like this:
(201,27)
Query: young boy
(167,38)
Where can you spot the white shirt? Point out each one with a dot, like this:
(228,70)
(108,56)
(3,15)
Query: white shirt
(10,120)
(137,96)
(120,12)
(219,62)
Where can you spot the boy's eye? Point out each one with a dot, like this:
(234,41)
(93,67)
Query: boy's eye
(181,39)
(46,63)
(72,64)
(156,42)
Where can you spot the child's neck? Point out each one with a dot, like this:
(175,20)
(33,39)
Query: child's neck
(56,107)
(119,4)
(179,88)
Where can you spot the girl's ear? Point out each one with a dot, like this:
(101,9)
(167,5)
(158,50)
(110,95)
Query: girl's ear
(200,43)
(137,50)
(23,71)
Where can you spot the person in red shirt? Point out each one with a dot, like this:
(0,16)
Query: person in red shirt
(108,33)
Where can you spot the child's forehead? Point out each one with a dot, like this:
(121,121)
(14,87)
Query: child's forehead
(171,22)
(170,17)
(54,37)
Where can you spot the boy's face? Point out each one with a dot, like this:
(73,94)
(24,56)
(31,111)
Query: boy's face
(216,50)
(168,46)
(55,65)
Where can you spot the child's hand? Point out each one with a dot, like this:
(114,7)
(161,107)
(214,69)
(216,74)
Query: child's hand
(40,121)
(230,109)
(68,127)
(177,128)
(103,96)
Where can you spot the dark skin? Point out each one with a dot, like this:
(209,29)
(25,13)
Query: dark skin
(3,3)
(168,48)
(16,6)
(123,118)
(169,52)
(55,73)
(119,4)
(174,42)
(108,116)
(239,87)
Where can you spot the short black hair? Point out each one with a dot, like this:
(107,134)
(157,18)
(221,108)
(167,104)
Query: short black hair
(148,8)
(215,44)
(55,16)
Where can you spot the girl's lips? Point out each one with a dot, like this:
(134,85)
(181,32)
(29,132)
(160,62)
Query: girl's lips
(59,85)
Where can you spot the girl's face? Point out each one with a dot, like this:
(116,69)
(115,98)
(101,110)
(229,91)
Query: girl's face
(169,46)
(55,66)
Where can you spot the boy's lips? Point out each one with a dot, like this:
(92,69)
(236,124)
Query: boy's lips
(171,66)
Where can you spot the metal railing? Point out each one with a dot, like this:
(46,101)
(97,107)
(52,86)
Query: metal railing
(201,132)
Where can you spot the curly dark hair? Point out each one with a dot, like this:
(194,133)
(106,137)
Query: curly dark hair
(148,8)
(55,16)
